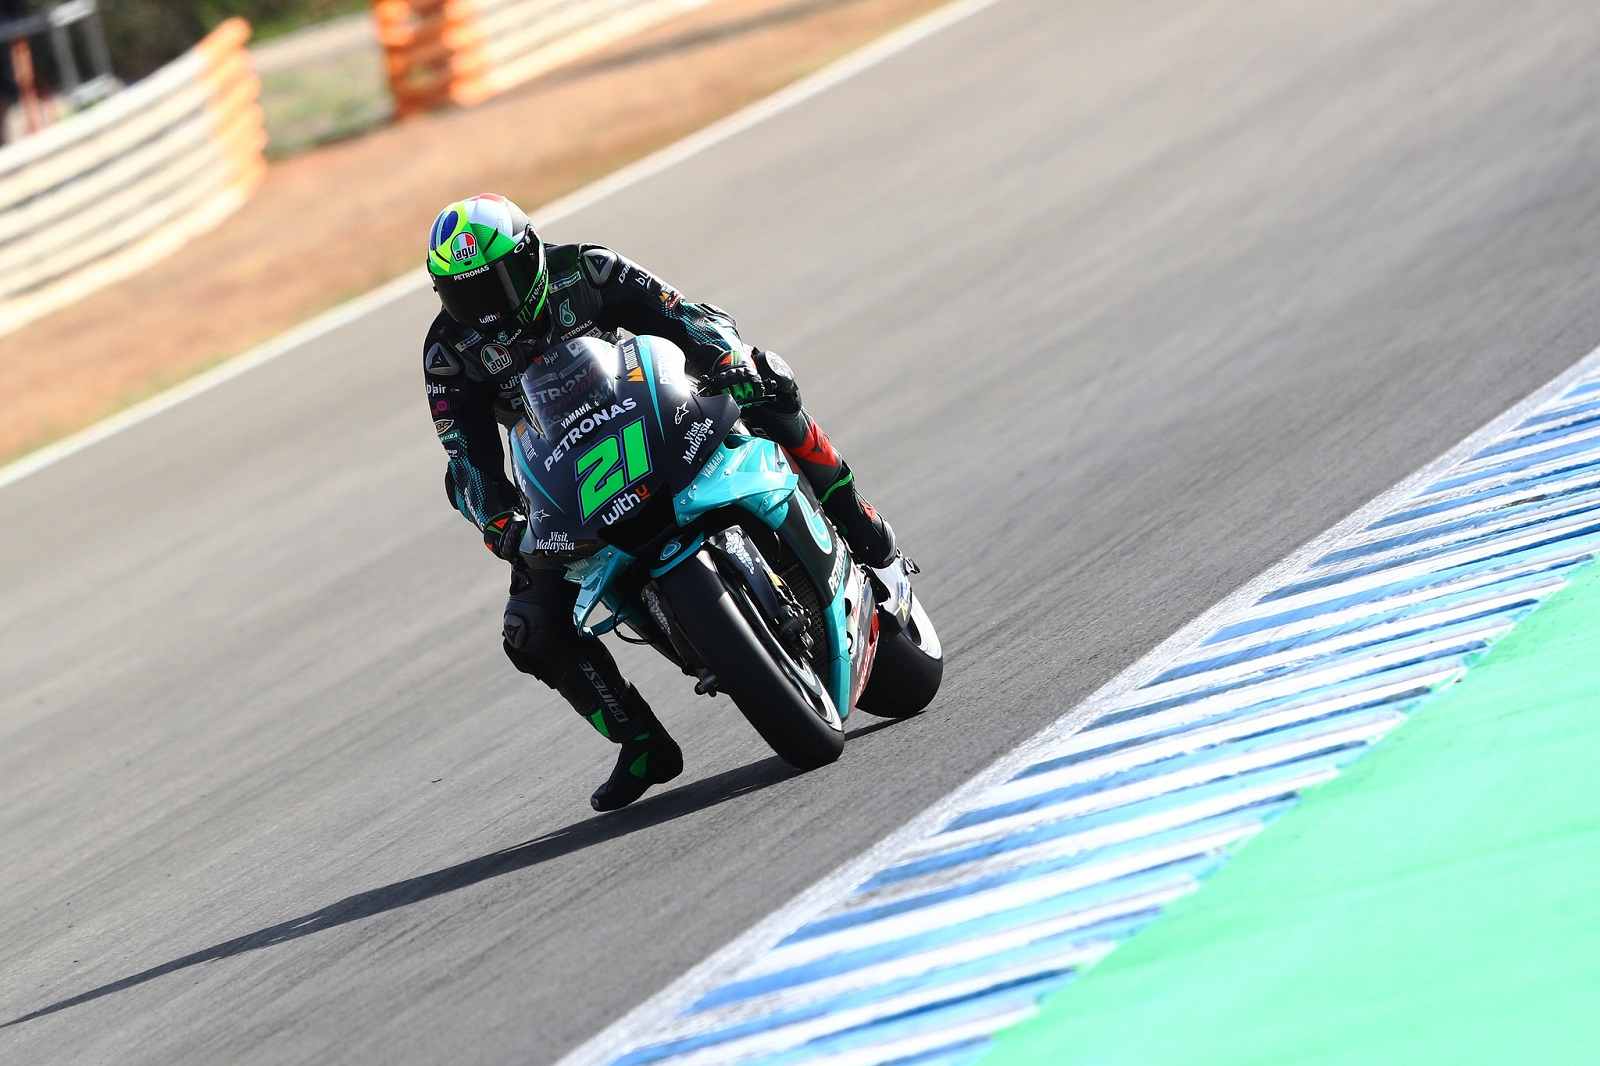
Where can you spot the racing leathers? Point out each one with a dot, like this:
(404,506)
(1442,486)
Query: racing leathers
(473,389)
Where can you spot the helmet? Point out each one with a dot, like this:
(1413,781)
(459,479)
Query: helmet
(487,265)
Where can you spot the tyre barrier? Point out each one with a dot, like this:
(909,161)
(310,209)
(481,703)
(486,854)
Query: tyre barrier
(462,52)
(153,167)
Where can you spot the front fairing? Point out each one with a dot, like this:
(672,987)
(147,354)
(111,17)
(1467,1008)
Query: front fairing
(596,577)
(754,475)
(751,475)
(570,505)
(589,482)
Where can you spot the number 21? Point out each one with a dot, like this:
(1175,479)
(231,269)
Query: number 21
(611,466)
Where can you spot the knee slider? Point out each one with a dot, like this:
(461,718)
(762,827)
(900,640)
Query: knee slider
(532,645)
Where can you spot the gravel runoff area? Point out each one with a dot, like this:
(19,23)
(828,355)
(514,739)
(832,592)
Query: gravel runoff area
(335,222)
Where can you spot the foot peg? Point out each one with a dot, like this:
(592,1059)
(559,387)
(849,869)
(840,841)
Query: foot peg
(707,685)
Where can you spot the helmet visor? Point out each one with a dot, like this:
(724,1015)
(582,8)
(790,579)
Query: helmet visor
(493,295)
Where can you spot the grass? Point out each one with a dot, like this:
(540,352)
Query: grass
(313,104)
(274,28)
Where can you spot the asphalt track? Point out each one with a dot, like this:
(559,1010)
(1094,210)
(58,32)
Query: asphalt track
(1111,305)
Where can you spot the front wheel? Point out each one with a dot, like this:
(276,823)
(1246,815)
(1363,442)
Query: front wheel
(908,669)
(779,694)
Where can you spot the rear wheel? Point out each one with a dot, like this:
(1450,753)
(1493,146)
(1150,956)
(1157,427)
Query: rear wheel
(776,691)
(907,671)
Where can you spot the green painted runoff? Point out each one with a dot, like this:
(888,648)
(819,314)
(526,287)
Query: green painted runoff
(1438,903)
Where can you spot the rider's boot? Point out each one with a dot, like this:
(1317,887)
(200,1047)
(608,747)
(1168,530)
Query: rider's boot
(540,640)
(871,539)
(869,536)
(646,754)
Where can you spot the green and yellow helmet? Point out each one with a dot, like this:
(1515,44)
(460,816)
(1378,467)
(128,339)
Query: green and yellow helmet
(487,265)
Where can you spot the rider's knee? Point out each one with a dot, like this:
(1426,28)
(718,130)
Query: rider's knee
(532,643)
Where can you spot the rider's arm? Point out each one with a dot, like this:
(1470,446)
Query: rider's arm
(634,299)
(463,418)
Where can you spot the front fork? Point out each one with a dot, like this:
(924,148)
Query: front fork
(740,561)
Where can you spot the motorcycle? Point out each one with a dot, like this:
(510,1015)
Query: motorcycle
(702,541)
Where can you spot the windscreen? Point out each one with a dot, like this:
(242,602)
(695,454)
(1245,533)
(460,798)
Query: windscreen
(568,382)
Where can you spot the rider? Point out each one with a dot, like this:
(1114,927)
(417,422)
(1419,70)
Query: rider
(507,298)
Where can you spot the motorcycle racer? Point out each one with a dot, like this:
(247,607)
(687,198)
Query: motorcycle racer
(507,298)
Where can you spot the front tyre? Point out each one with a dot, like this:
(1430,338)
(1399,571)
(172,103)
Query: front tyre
(908,669)
(738,645)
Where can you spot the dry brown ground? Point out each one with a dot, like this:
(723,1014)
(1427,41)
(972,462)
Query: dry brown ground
(290,252)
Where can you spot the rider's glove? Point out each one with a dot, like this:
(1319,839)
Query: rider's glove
(502,535)
(735,376)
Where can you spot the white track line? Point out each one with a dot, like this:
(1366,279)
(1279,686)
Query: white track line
(1416,681)
(1010,896)
(413,281)
(965,869)
(657,1013)
(920,965)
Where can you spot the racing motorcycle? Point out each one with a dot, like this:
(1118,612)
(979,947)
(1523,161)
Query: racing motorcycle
(684,531)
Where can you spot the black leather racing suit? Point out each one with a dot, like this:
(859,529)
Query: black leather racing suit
(472,383)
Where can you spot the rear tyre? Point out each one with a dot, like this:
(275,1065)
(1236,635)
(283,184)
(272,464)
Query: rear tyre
(908,669)
(739,646)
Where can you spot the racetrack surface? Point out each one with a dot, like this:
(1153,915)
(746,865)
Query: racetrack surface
(1110,309)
